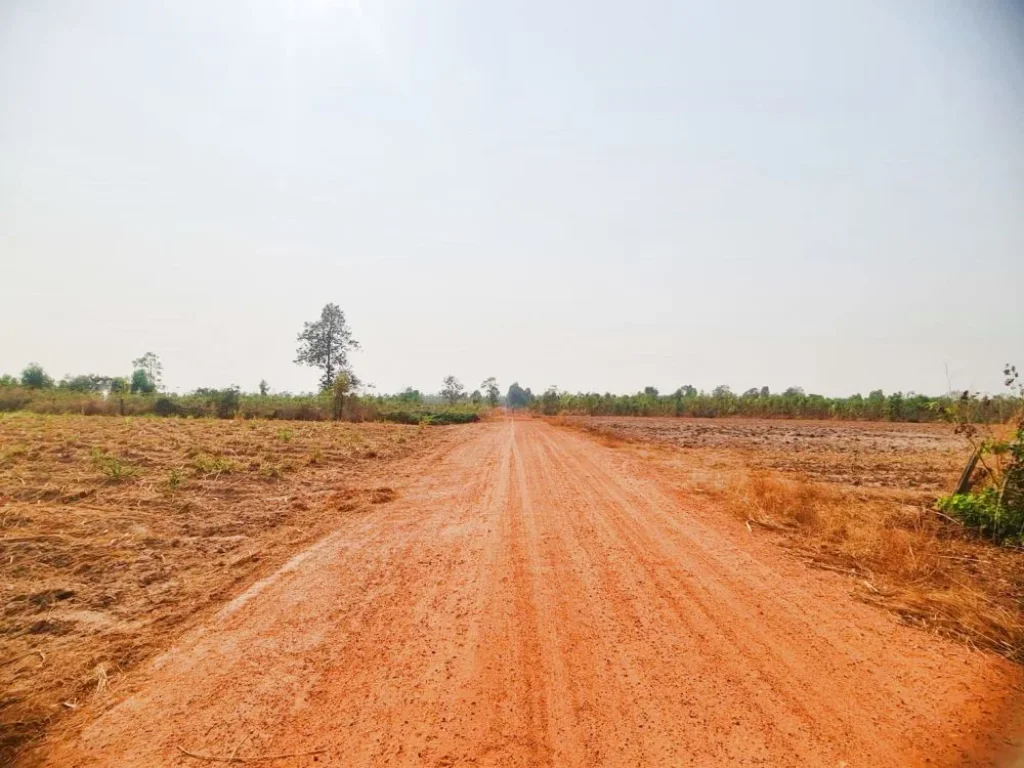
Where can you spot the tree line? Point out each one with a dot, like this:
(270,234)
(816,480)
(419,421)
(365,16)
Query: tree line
(793,403)
(325,344)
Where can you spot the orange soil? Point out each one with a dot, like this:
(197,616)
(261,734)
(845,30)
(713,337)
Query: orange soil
(535,598)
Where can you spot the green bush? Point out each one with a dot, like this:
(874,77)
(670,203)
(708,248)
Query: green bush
(996,505)
(226,403)
(450,416)
(985,511)
(34,377)
(164,406)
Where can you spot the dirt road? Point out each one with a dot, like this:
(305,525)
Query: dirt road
(534,598)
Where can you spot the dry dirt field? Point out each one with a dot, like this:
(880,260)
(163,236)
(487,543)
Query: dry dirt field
(115,534)
(508,593)
(920,460)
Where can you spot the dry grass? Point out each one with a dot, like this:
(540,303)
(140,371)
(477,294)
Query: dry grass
(115,531)
(905,557)
(853,498)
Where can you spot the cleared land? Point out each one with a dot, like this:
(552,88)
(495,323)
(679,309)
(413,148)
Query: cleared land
(117,533)
(919,460)
(530,596)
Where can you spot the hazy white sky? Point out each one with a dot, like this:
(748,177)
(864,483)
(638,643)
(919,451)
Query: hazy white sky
(598,195)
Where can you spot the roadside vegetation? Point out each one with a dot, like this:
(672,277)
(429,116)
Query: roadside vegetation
(323,344)
(991,493)
(232,403)
(761,403)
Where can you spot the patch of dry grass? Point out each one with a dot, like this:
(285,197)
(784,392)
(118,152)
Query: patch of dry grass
(116,531)
(905,557)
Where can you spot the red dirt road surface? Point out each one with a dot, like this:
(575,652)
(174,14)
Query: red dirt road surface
(534,598)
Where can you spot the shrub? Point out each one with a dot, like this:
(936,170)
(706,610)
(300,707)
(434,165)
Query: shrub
(996,506)
(34,377)
(985,511)
(226,403)
(164,406)
(429,417)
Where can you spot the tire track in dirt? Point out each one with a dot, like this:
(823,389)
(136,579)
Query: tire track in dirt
(668,632)
(777,629)
(784,702)
(533,598)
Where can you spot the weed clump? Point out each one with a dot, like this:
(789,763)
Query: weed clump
(112,467)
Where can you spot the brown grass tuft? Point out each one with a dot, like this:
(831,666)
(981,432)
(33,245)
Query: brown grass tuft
(906,558)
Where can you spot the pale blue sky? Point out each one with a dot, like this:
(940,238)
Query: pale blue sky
(596,195)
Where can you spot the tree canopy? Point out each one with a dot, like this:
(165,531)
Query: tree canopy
(491,390)
(325,344)
(147,374)
(453,390)
(518,397)
(34,377)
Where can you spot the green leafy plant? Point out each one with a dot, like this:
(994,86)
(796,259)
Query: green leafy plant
(112,467)
(994,503)
(34,377)
(175,477)
(206,464)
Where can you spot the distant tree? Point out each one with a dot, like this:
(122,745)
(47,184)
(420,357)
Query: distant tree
(721,391)
(651,391)
(453,390)
(518,397)
(752,392)
(119,385)
(34,377)
(343,385)
(410,395)
(875,404)
(8,381)
(85,383)
(794,392)
(325,344)
(894,406)
(549,403)
(476,398)
(687,390)
(490,388)
(765,392)
(141,384)
(264,388)
(227,402)
(151,366)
